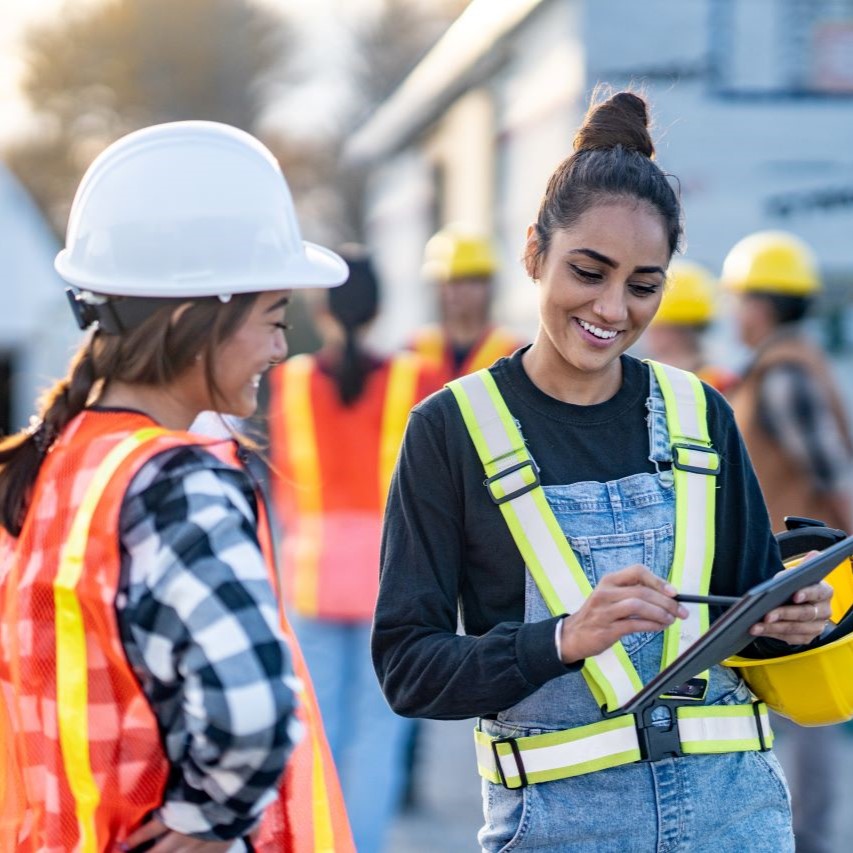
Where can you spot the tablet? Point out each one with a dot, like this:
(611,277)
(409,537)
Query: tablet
(730,633)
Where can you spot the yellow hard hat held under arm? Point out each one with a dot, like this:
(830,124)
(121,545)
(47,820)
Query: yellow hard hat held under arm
(811,685)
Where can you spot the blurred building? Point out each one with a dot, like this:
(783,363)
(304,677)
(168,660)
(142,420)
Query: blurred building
(37,329)
(753,103)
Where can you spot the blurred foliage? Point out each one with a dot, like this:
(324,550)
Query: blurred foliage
(98,71)
(385,47)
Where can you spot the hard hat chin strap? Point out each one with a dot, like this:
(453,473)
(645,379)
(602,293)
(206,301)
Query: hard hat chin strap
(114,317)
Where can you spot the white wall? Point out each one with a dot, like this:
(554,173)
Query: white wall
(539,95)
(738,158)
(400,205)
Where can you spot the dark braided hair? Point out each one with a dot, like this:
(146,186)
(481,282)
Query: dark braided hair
(154,352)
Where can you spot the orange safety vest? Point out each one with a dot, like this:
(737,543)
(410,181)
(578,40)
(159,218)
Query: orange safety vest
(333,466)
(82,758)
(431,344)
(720,378)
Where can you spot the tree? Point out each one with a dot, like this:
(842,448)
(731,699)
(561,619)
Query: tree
(385,47)
(100,71)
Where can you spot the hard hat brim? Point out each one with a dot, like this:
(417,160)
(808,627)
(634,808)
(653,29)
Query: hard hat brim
(317,267)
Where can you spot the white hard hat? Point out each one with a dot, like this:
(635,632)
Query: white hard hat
(189,209)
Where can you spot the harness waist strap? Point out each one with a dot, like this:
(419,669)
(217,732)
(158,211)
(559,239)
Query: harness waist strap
(516,762)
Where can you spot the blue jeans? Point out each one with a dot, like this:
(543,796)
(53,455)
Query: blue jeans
(366,737)
(720,803)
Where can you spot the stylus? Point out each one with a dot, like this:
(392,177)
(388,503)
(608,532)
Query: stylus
(723,600)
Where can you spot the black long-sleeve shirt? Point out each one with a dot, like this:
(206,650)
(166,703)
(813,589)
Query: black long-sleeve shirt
(446,548)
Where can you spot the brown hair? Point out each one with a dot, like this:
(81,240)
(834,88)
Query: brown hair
(612,159)
(155,352)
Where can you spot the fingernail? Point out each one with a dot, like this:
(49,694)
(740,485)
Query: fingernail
(757,629)
(773,617)
(799,597)
(683,612)
(669,589)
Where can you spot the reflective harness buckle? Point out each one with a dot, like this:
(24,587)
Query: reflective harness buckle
(529,487)
(660,740)
(516,754)
(712,469)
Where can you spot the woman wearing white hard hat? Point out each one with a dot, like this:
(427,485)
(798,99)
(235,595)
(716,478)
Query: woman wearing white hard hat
(149,695)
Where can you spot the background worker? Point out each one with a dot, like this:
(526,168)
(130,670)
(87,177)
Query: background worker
(787,404)
(336,420)
(567,596)
(145,661)
(687,309)
(461,263)
(791,416)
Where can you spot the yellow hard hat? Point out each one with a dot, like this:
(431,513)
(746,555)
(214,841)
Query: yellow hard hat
(688,298)
(811,687)
(458,252)
(771,262)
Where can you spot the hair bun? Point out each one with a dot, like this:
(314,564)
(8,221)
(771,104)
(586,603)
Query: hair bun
(622,119)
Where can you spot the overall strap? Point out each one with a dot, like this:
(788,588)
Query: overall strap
(512,482)
(695,465)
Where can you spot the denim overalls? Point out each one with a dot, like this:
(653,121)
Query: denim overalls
(736,801)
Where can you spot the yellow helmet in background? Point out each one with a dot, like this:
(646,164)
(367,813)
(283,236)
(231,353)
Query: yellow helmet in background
(688,297)
(773,262)
(459,252)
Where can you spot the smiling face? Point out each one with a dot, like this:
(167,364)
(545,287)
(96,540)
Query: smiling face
(240,361)
(600,284)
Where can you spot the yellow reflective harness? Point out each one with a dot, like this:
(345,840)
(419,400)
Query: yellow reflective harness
(512,482)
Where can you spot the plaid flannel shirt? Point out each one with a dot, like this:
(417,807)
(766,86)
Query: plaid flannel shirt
(199,623)
(794,410)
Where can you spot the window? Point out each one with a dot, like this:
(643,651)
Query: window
(782,47)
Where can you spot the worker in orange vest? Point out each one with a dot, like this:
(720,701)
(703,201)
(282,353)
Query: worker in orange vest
(790,412)
(151,691)
(462,263)
(687,309)
(336,420)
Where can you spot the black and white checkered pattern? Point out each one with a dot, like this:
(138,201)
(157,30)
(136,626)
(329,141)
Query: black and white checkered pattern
(199,623)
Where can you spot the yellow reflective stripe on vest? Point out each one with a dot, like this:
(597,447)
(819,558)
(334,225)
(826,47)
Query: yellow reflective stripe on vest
(72,688)
(695,501)
(399,399)
(613,742)
(429,345)
(549,558)
(496,345)
(305,465)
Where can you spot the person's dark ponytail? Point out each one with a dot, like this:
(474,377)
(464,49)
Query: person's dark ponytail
(354,304)
(22,454)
